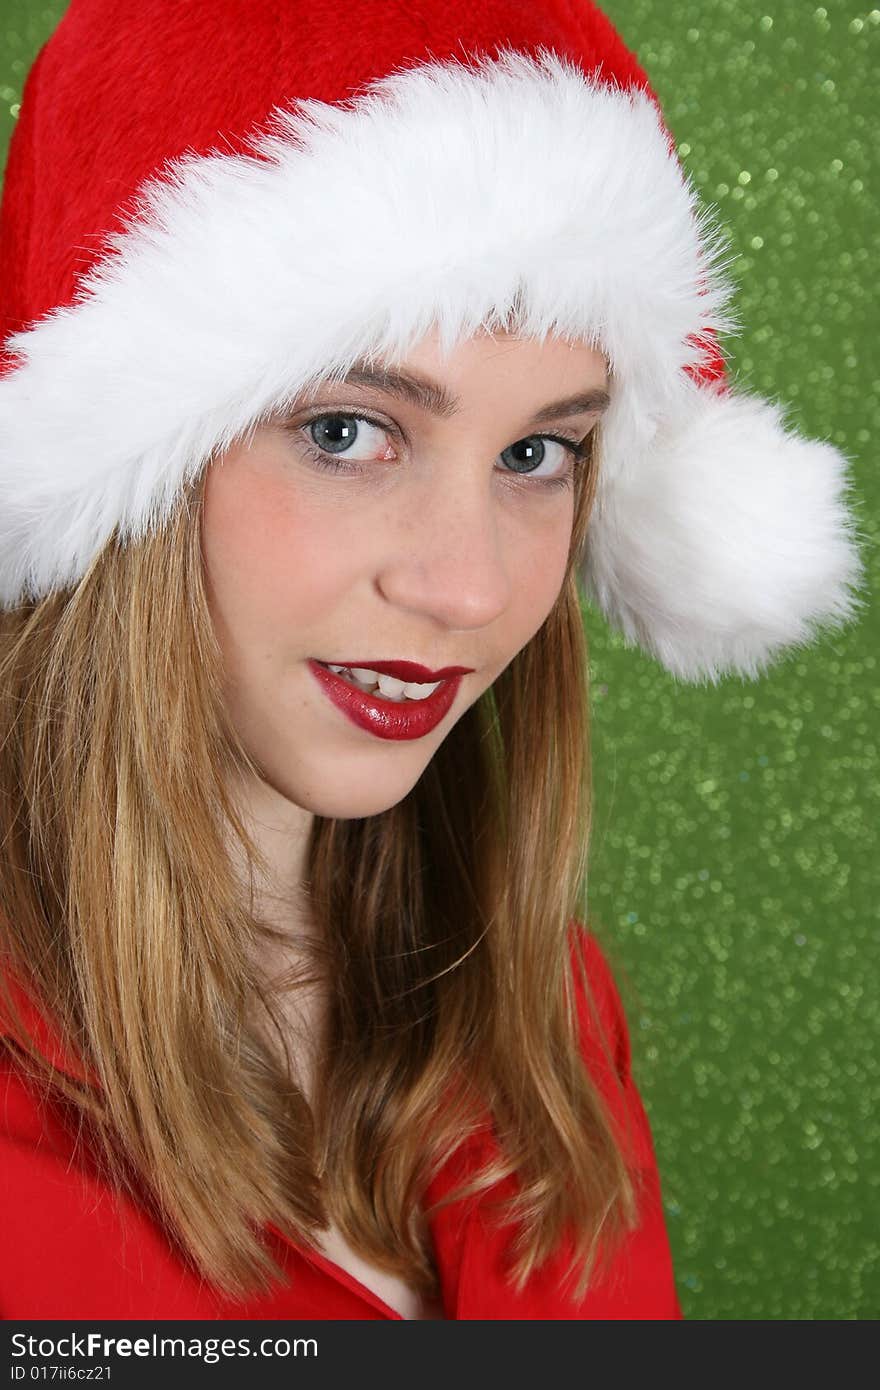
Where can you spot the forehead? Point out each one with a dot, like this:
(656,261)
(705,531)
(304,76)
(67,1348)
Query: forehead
(434,381)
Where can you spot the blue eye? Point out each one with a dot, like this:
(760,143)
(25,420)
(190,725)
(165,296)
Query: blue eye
(527,455)
(337,434)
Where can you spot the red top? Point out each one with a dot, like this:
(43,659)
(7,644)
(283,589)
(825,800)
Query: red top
(74,1249)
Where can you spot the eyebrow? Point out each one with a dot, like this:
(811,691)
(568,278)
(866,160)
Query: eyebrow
(436,400)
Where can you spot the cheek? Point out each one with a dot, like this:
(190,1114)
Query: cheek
(273,557)
(538,561)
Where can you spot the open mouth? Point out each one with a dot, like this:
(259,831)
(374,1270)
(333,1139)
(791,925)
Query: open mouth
(383,687)
(388,706)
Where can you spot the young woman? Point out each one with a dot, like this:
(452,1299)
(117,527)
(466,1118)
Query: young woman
(342,346)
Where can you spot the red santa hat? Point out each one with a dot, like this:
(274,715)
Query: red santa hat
(209,207)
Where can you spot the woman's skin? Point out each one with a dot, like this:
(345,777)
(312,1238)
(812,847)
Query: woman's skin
(429,548)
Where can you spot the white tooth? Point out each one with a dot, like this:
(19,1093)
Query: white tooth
(419,692)
(338,670)
(361,673)
(388,685)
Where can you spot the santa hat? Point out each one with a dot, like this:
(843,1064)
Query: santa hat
(211,206)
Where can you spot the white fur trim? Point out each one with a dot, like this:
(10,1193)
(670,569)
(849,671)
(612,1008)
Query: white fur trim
(465,197)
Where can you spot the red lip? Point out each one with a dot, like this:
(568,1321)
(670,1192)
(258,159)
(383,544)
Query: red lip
(387,718)
(406,670)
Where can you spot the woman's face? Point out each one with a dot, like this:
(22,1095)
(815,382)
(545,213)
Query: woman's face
(423,518)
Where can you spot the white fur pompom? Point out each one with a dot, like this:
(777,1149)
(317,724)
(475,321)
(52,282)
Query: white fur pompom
(729,541)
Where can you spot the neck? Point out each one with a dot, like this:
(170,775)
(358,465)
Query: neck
(280,831)
(278,898)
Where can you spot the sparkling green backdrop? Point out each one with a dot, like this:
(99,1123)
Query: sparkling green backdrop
(734,875)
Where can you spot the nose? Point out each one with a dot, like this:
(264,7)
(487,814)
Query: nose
(444,556)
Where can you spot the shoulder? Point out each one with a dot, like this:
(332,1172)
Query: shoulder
(39,1186)
(645,1278)
(641,1283)
(601,1013)
(73,1246)
(24,1022)
(607,1048)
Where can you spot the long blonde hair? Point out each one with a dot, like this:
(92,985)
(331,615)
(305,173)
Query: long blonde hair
(444,924)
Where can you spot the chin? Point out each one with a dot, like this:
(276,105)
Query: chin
(343,802)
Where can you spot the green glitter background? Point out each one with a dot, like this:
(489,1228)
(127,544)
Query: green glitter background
(734,873)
